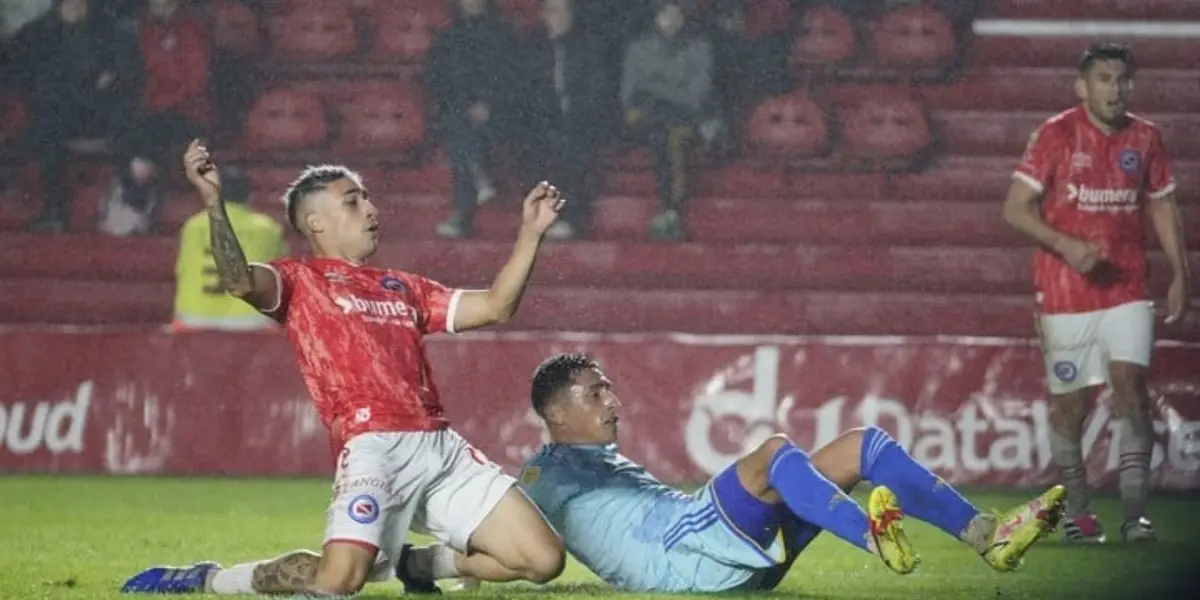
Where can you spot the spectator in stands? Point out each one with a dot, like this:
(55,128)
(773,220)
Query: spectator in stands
(745,68)
(71,63)
(470,73)
(200,301)
(175,105)
(564,112)
(666,89)
(15,14)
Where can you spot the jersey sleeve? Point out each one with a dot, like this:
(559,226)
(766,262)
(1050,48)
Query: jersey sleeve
(1160,177)
(437,304)
(284,271)
(1041,158)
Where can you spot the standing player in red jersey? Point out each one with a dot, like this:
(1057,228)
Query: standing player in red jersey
(357,332)
(1089,177)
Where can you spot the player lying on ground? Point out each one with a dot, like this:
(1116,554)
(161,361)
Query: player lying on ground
(357,333)
(640,535)
(1082,191)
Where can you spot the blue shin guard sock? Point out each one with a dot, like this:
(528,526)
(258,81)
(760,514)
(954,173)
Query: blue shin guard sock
(814,498)
(920,493)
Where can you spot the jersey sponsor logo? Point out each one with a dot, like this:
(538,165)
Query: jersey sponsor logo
(363,509)
(379,310)
(1102,200)
(1130,161)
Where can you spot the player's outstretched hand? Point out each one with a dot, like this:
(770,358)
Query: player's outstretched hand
(1082,256)
(541,208)
(1177,301)
(202,173)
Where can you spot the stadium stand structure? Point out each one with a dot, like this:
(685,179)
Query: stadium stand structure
(866,202)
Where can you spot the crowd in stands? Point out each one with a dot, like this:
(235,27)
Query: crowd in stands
(135,80)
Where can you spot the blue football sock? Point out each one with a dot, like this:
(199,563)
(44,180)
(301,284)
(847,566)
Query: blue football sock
(814,498)
(920,493)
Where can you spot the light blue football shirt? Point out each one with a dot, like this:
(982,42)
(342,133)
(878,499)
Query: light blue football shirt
(625,525)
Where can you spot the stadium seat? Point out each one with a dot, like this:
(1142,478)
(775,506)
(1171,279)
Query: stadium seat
(14,117)
(285,119)
(235,27)
(313,32)
(404,31)
(915,36)
(789,124)
(381,117)
(827,38)
(883,128)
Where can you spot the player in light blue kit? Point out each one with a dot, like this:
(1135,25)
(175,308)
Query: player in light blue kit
(745,528)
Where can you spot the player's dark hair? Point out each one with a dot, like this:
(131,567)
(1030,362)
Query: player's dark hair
(1107,51)
(554,374)
(313,179)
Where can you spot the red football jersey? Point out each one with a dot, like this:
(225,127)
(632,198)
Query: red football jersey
(358,336)
(1094,186)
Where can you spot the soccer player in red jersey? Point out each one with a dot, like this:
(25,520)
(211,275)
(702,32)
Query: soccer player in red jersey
(1088,179)
(357,333)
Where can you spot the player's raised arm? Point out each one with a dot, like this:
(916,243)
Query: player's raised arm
(499,303)
(256,286)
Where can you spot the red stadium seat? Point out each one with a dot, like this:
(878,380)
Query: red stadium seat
(789,124)
(382,117)
(285,119)
(314,32)
(883,127)
(14,117)
(526,14)
(827,38)
(235,27)
(912,37)
(404,31)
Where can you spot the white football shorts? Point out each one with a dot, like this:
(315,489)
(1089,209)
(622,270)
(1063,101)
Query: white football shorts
(1078,347)
(432,482)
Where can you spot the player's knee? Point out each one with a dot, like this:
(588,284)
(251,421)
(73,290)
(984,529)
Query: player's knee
(774,444)
(545,563)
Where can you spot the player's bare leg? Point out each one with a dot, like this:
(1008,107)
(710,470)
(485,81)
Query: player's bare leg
(1067,415)
(512,543)
(340,571)
(1131,408)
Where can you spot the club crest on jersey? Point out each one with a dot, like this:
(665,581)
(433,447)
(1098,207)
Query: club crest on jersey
(1065,371)
(392,284)
(1130,161)
(363,509)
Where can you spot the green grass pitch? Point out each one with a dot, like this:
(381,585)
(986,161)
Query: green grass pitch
(78,538)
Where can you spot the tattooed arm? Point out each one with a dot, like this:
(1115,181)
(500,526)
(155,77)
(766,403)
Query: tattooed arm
(258,285)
